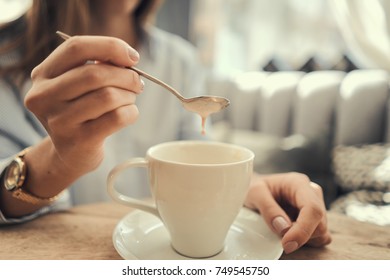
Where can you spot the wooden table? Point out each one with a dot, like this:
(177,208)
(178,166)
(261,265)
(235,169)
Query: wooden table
(85,232)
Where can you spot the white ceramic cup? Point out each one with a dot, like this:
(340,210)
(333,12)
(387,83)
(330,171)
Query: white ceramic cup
(198,188)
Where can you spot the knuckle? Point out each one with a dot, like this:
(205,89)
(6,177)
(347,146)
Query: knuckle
(135,78)
(33,99)
(75,44)
(108,95)
(296,176)
(113,46)
(132,97)
(306,234)
(321,229)
(302,176)
(134,113)
(93,75)
(139,84)
(126,115)
(29,101)
(36,72)
(112,43)
(121,116)
(317,188)
(317,211)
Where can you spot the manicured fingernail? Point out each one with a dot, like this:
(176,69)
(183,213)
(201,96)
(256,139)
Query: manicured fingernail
(280,225)
(142,85)
(290,247)
(133,54)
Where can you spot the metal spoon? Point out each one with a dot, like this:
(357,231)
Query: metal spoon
(203,105)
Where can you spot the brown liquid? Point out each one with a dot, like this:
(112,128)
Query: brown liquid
(203,124)
(203,108)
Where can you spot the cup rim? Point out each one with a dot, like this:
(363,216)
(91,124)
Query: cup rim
(250,154)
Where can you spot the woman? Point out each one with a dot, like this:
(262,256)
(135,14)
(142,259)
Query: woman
(86,119)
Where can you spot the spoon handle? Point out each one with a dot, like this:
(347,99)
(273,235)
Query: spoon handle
(140,72)
(157,81)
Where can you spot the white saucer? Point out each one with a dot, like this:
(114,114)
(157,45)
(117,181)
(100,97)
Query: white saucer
(140,235)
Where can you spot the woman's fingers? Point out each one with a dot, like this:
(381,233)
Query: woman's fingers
(263,200)
(92,106)
(282,196)
(303,229)
(112,121)
(78,50)
(95,104)
(91,77)
(79,81)
(311,223)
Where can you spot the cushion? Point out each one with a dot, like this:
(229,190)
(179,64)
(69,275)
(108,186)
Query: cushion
(365,206)
(362,167)
(363,174)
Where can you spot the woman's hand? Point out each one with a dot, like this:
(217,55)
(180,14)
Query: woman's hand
(80,102)
(293,207)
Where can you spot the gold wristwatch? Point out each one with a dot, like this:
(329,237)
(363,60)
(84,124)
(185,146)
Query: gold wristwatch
(14,178)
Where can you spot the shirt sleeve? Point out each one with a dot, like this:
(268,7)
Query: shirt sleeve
(62,203)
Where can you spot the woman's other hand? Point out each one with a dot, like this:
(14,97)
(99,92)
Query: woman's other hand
(83,93)
(293,207)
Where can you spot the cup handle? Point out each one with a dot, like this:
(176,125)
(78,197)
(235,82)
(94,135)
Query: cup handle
(124,199)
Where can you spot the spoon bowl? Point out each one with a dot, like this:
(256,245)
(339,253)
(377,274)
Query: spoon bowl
(208,103)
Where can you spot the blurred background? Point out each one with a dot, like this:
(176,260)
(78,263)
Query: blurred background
(247,35)
(251,35)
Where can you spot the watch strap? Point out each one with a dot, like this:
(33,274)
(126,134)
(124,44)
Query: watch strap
(30,198)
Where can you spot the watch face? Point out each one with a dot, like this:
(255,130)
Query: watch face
(12,175)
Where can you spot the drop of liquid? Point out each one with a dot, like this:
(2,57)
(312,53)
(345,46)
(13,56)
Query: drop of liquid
(206,106)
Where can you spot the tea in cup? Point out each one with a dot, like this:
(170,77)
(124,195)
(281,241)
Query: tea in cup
(198,189)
